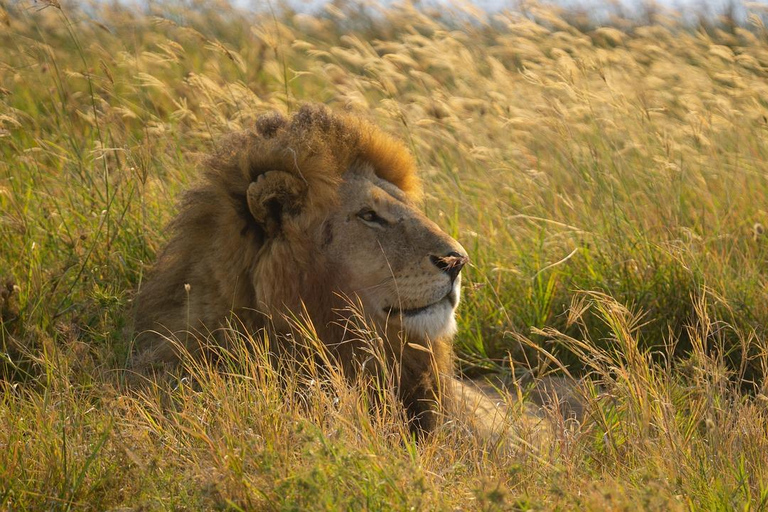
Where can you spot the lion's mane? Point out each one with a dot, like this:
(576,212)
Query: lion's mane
(214,254)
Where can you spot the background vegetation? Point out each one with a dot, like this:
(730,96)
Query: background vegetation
(608,182)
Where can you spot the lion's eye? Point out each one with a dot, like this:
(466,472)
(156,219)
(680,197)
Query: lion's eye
(370,216)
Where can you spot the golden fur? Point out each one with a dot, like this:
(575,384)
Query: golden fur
(303,214)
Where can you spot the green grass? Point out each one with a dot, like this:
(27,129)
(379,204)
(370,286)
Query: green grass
(609,184)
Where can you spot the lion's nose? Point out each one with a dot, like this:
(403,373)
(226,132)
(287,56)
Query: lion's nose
(451,264)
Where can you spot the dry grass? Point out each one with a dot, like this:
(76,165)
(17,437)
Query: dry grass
(610,187)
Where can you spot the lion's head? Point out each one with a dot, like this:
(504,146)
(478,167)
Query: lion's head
(404,269)
(370,244)
(308,212)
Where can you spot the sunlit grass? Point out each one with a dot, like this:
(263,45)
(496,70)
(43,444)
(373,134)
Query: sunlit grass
(608,183)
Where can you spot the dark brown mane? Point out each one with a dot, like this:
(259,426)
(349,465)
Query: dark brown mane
(215,243)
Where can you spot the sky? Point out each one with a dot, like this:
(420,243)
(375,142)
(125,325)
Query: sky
(599,9)
(687,7)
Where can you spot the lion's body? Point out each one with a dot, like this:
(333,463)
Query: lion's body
(303,214)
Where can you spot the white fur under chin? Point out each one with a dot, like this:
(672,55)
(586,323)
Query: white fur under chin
(437,322)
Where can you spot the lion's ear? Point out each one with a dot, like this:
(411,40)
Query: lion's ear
(274,195)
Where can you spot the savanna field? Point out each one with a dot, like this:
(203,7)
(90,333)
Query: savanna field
(609,183)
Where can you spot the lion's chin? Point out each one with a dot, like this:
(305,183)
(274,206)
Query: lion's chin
(432,322)
(436,322)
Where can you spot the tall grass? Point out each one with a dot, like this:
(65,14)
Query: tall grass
(609,184)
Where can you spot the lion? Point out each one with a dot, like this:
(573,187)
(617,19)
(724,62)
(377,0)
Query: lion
(301,214)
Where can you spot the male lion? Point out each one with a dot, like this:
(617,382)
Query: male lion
(299,215)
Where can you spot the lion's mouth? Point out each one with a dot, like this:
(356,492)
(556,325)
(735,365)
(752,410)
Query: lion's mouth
(451,298)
